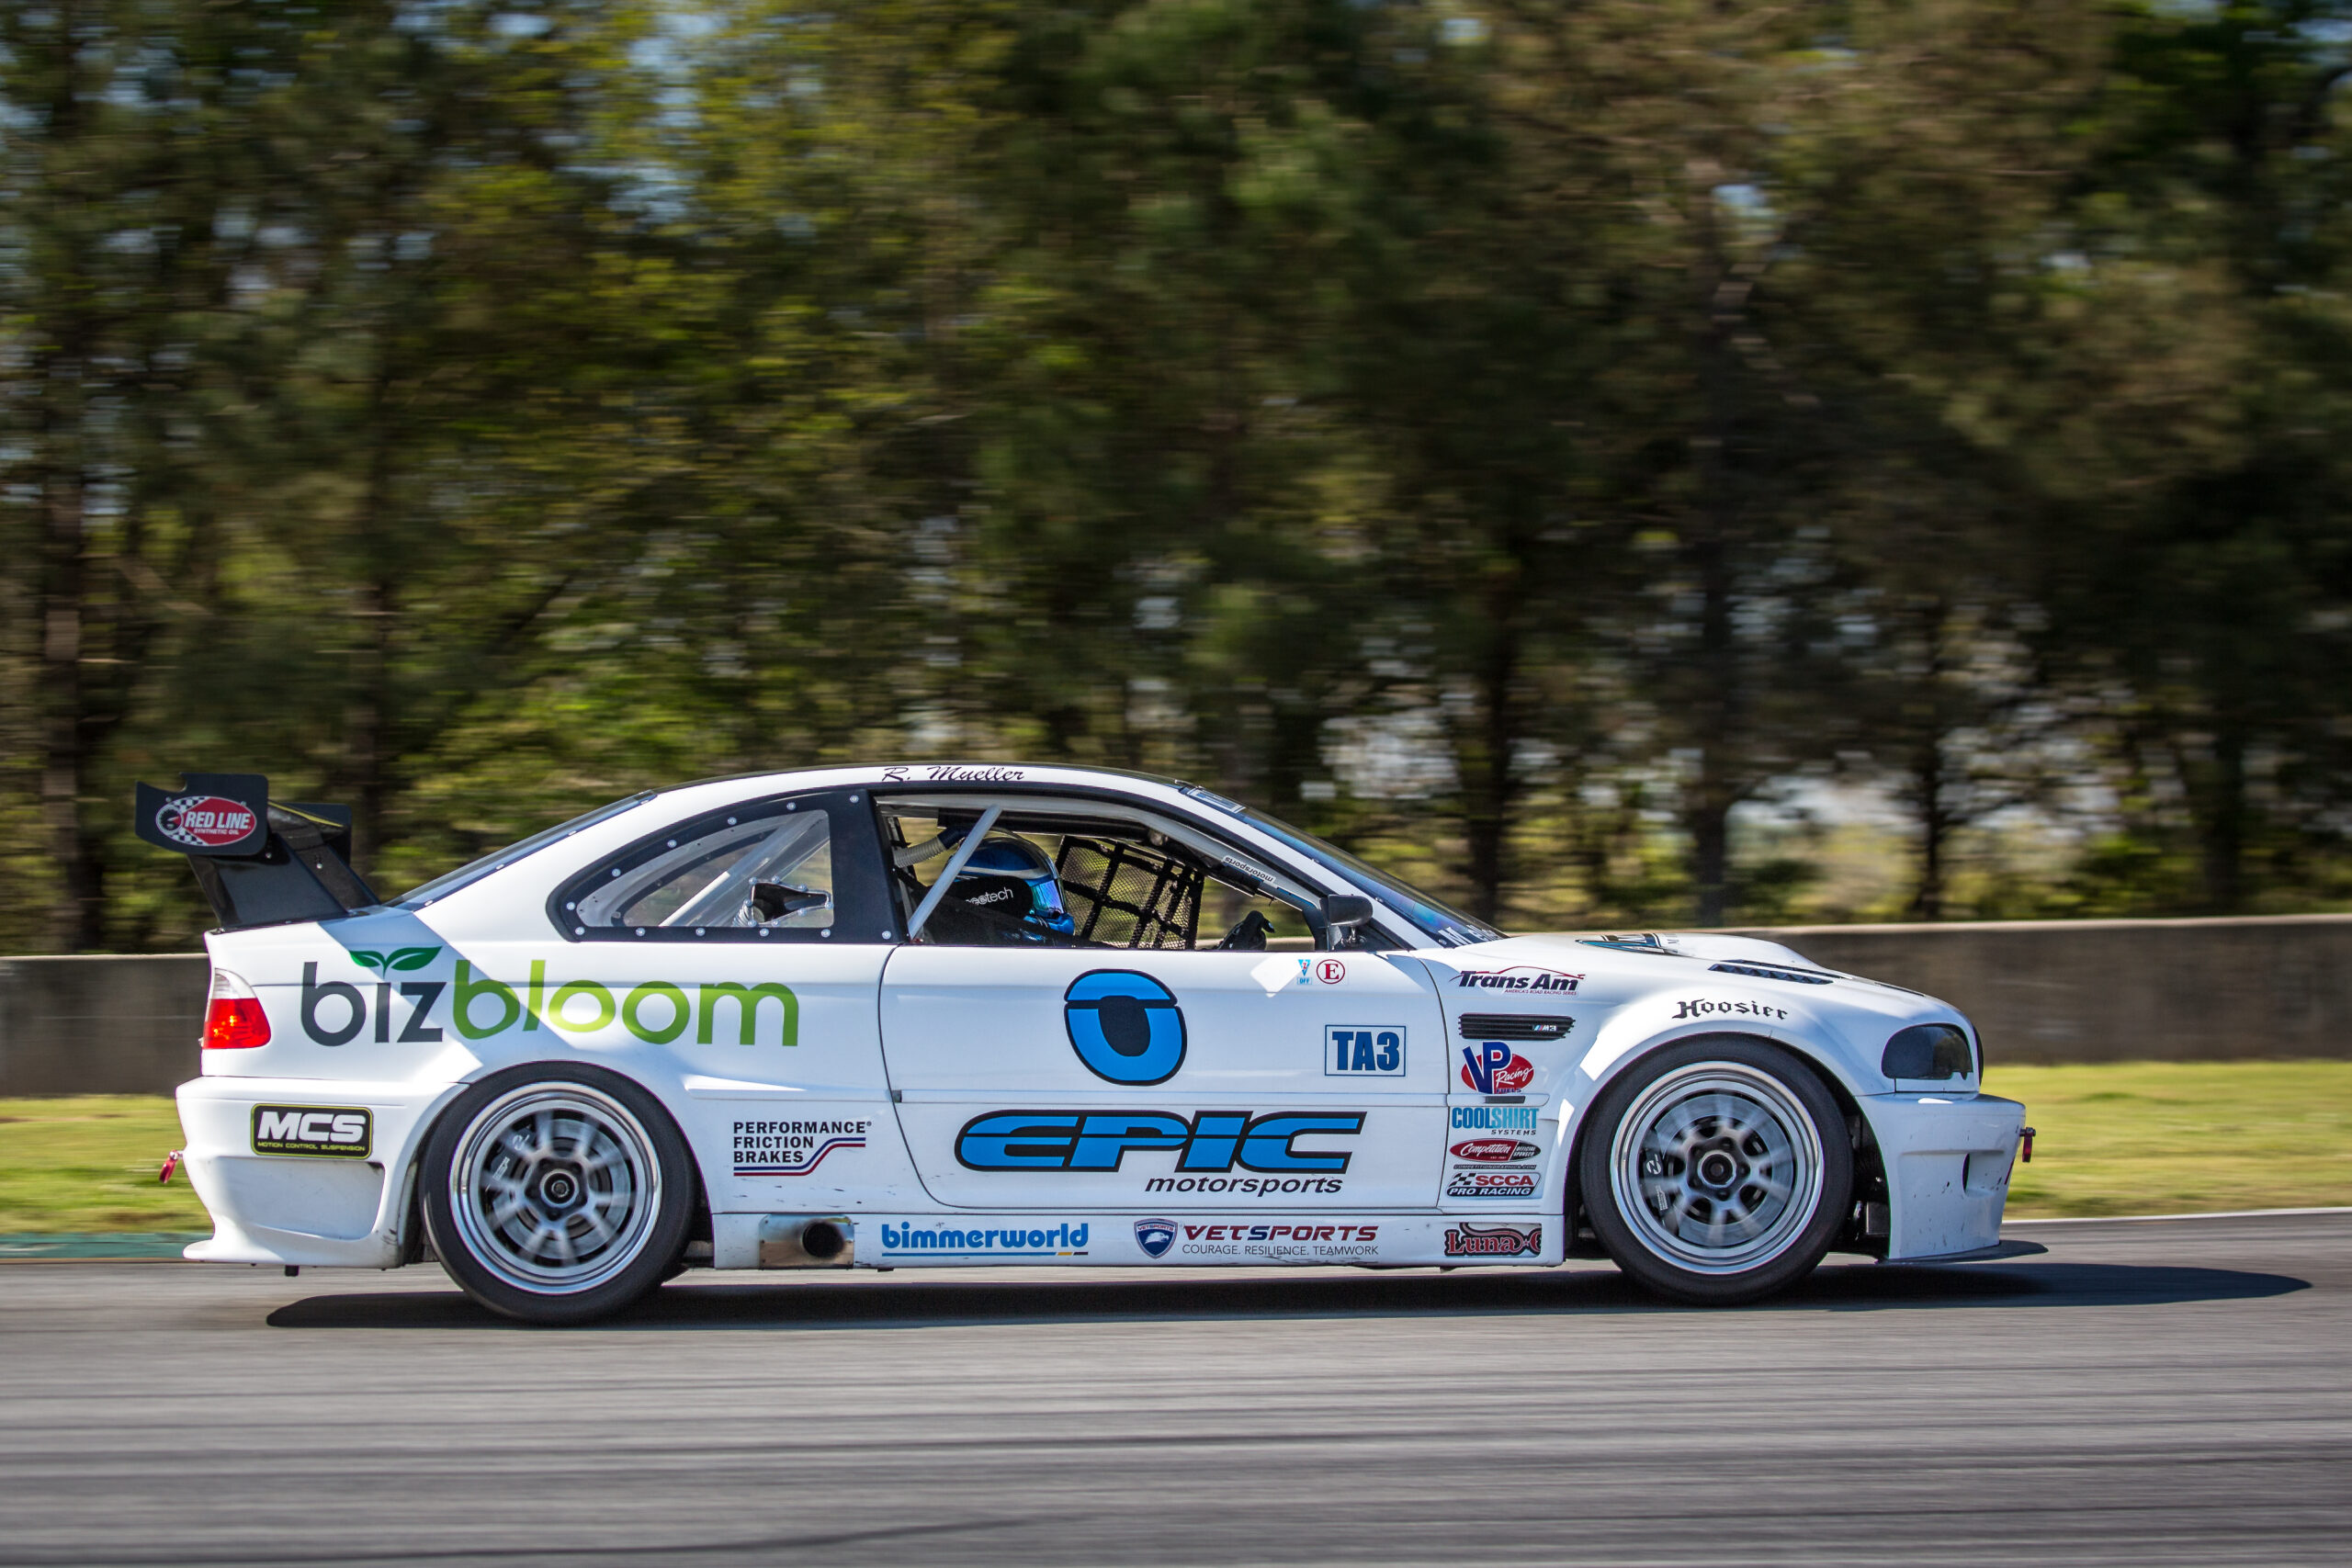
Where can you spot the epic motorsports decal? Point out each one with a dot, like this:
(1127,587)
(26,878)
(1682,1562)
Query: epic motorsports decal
(1211,1142)
(331,1131)
(334,1012)
(1493,1241)
(792,1148)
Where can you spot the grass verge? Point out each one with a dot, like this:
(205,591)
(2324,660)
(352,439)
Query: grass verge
(2133,1138)
(2181,1137)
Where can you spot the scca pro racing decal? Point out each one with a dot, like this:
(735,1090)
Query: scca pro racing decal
(1064,1240)
(1492,1118)
(205,821)
(1302,1241)
(1494,1068)
(1125,1027)
(792,1148)
(1211,1141)
(1493,1184)
(332,1132)
(1523,977)
(1493,1241)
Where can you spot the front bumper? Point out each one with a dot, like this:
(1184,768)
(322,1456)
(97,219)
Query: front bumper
(314,1212)
(1948,1160)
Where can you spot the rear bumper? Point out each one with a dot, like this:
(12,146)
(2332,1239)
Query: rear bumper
(343,1211)
(1948,1162)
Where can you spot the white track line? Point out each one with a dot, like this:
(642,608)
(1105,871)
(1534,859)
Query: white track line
(2142,1219)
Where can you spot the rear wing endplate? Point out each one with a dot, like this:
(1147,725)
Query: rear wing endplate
(260,863)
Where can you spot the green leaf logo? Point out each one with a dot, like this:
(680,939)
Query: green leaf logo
(413,957)
(367,960)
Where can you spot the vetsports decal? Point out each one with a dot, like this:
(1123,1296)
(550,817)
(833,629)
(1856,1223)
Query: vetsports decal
(330,1132)
(1310,1241)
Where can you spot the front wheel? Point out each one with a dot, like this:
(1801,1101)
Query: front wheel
(556,1194)
(1717,1170)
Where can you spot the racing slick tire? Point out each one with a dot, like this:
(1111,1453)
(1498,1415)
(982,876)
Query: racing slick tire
(1717,1170)
(557,1194)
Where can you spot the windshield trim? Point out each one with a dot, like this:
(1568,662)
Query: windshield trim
(1432,918)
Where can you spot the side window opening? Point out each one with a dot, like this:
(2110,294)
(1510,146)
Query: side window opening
(756,871)
(1080,878)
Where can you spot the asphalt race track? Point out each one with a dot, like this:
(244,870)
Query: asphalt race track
(2152,1393)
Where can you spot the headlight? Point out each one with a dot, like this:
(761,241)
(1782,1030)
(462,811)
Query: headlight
(1927,1051)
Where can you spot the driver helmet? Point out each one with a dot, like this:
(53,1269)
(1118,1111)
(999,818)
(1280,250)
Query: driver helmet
(1012,878)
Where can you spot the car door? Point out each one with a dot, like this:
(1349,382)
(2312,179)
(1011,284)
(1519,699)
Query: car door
(1167,1079)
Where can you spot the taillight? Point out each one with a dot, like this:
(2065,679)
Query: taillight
(234,1019)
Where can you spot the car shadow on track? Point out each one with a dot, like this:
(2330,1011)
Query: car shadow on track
(811,1302)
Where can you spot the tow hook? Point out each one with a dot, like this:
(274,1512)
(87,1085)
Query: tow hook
(171,1164)
(2025,1145)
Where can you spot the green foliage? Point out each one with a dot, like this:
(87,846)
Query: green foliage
(1522,443)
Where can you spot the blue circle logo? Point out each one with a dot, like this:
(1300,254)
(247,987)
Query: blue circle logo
(1125,1027)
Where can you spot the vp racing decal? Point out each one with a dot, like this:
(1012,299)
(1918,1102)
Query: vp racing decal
(329,1132)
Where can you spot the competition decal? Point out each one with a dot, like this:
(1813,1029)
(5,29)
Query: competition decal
(1296,1241)
(1493,1241)
(1500,1184)
(1494,1068)
(1493,1151)
(329,1132)
(1064,1240)
(1209,1141)
(1155,1237)
(1520,978)
(792,1148)
(1364,1051)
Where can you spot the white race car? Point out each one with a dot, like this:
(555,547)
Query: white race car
(935,1016)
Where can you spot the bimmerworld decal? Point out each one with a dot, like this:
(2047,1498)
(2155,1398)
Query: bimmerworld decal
(1067,1239)
(1209,1141)
(476,1007)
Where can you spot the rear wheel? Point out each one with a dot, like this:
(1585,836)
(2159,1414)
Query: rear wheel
(556,1194)
(1717,1171)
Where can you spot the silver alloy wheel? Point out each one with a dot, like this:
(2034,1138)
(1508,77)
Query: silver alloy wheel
(1717,1167)
(555,1188)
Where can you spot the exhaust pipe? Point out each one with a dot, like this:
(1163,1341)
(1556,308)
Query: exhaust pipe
(807,1241)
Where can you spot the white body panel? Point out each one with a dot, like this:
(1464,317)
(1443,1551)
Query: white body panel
(869,1062)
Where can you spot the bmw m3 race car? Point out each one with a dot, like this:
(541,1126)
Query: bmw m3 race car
(935,1016)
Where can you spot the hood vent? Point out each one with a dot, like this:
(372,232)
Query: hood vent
(1513,1026)
(1775,972)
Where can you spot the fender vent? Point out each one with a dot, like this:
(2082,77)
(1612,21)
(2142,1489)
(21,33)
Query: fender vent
(1771,972)
(1513,1026)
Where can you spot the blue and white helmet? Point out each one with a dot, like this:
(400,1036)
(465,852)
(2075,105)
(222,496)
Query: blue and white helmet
(1013,879)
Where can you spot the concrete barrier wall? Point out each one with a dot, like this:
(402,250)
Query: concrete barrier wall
(2045,991)
(100,1025)
(2040,991)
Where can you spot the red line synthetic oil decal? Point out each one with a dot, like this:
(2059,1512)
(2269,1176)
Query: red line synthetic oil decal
(204,821)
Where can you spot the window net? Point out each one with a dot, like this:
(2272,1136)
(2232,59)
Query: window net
(1122,895)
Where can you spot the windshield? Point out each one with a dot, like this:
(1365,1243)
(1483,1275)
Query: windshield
(499,860)
(1432,918)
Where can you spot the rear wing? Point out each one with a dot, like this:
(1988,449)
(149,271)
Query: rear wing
(261,862)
